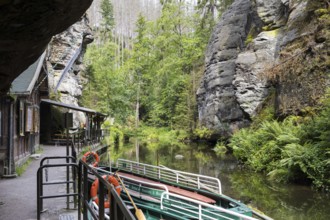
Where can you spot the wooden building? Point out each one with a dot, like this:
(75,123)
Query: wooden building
(20,117)
(52,115)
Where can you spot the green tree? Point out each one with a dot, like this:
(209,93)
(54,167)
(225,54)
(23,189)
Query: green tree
(108,90)
(108,21)
(158,77)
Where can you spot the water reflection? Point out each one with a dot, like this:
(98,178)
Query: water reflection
(280,201)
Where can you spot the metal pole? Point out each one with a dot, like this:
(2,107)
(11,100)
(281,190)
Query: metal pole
(79,190)
(85,197)
(101,199)
(41,189)
(74,176)
(38,195)
(67,160)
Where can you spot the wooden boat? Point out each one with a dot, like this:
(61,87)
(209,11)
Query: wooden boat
(163,193)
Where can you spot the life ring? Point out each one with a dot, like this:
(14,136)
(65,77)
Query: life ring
(95,186)
(96,158)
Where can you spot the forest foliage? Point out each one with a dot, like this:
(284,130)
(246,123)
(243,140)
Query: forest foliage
(161,70)
(294,150)
(152,81)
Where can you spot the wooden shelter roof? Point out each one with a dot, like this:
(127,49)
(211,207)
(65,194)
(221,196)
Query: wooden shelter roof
(73,107)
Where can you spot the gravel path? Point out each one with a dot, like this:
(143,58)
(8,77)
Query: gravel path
(18,195)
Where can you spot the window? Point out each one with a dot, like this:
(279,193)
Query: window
(36,119)
(21,118)
(29,118)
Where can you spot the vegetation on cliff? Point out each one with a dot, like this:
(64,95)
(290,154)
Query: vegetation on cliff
(292,142)
(293,150)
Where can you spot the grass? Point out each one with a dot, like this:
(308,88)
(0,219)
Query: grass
(21,169)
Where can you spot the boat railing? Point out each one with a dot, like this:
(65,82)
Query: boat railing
(166,174)
(141,185)
(144,186)
(194,209)
(118,209)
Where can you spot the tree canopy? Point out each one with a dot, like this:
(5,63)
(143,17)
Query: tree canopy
(162,66)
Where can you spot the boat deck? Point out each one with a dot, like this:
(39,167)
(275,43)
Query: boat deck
(172,189)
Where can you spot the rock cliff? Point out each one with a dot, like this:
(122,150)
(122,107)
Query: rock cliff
(64,63)
(260,44)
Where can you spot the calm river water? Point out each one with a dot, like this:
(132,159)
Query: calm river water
(279,201)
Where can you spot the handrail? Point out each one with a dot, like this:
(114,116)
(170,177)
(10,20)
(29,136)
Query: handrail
(200,184)
(57,157)
(197,209)
(184,178)
(143,183)
(118,209)
(140,182)
(40,185)
(74,181)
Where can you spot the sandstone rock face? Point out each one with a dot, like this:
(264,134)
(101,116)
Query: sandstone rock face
(251,86)
(272,12)
(64,63)
(217,104)
(251,39)
(26,29)
(303,58)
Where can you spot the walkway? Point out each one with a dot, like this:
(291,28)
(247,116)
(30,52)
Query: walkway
(18,195)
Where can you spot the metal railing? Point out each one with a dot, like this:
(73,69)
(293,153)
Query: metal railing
(41,183)
(78,138)
(166,174)
(176,204)
(140,187)
(79,178)
(193,209)
(118,210)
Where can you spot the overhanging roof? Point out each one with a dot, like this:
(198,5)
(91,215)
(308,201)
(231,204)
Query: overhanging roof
(73,107)
(24,83)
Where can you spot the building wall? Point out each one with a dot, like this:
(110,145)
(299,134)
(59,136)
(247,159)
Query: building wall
(13,133)
(27,143)
(4,131)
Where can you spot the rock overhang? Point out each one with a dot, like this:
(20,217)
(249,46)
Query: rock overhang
(26,27)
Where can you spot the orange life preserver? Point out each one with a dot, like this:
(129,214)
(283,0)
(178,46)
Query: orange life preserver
(96,157)
(95,186)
